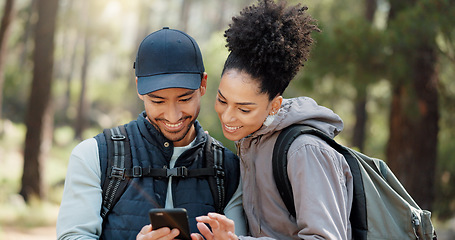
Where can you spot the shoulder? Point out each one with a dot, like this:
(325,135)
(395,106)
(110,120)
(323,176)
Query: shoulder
(85,156)
(88,147)
(310,153)
(228,154)
(231,160)
(309,143)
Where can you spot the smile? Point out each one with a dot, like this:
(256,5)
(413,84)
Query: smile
(170,125)
(230,129)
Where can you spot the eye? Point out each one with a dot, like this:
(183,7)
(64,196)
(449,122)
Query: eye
(185,99)
(244,110)
(157,102)
(220,100)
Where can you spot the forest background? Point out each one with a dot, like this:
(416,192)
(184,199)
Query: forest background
(385,66)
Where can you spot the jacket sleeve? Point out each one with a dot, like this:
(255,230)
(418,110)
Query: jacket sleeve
(234,211)
(79,215)
(322,185)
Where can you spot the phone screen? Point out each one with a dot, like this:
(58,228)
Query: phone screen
(171,218)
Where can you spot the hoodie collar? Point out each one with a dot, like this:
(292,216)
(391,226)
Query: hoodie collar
(303,110)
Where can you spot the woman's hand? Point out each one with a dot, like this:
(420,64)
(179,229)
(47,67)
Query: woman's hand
(147,233)
(223,228)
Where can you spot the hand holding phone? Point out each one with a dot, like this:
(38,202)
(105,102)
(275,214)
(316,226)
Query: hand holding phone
(171,218)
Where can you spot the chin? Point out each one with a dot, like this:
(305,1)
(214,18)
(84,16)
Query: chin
(231,136)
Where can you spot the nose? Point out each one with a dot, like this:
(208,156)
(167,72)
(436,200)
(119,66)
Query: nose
(173,113)
(228,115)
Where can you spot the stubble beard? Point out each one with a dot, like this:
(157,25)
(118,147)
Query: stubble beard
(170,135)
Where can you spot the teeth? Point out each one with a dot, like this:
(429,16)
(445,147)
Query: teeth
(231,128)
(174,125)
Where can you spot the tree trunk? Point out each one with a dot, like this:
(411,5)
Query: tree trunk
(28,30)
(412,146)
(221,23)
(359,133)
(39,102)
(65,67)
(69,78)
(4,36)
(185,14)
(81,119)
(413,141)
(358,139)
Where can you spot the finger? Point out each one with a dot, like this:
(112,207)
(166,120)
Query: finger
(225,223)
(146,229)
(218,217)
(174,233)
(205,231)
(214,224)
(214,215)
(196,236)
(163,233)
(232,236)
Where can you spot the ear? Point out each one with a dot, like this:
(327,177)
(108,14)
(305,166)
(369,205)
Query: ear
(139,95)
(203,84)
(276,104)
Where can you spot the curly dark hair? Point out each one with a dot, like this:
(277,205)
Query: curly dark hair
(270,42)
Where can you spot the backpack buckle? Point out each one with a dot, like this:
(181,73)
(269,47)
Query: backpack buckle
(219,171)
(118,137)
(117,173)
(137,171)
(177,172)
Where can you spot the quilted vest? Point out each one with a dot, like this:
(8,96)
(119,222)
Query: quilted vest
(150,148)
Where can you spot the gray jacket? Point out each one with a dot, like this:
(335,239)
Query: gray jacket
(320,178)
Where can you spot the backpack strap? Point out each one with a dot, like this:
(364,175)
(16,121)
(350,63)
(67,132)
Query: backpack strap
(120,169)
(358,215)
(119,159)
(279,166)
(214,157)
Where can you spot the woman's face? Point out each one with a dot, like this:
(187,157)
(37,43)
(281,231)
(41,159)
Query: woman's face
(240,106)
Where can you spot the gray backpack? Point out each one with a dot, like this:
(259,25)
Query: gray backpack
(382,208)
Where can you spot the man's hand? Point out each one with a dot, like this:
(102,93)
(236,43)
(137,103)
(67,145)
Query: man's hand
(147,233)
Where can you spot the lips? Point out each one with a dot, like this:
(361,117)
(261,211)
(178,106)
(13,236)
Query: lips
(173,127)
(230,129)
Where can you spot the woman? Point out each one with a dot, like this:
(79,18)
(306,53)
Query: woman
(267,45)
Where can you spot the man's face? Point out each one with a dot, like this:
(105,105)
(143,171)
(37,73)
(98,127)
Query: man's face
(173,112)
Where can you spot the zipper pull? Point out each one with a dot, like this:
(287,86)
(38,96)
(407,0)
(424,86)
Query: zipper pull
(416,223)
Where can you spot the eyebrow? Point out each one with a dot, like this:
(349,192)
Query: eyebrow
(238,103)
(187,93)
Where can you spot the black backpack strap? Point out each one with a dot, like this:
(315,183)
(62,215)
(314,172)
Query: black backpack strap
(183,172)
(280,163)
(214,157)
(119,159)
(358,215)
(120,169)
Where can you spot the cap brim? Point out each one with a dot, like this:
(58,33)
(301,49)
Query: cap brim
(154,83)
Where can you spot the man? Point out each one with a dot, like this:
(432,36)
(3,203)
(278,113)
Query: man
(170,80)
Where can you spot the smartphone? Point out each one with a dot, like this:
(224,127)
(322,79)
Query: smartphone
(171,218)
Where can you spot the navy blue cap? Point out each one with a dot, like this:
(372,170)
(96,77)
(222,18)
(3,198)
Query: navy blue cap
(168,58)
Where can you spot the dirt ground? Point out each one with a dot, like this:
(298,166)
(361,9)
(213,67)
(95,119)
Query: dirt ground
(40,233)
(48,233)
